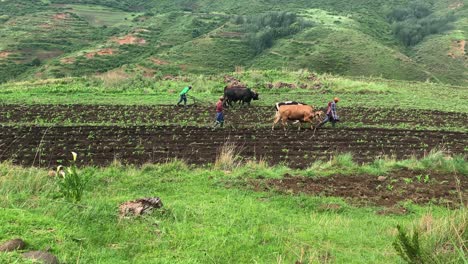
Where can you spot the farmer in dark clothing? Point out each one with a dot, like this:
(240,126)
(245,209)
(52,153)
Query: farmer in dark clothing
(331,113)
(183,95)
(219,112)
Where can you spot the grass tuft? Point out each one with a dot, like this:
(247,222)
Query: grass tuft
(435,240)
(339,164)
(229,157)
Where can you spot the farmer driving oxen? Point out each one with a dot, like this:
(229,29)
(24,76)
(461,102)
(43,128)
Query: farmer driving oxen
(331,113)
(219,112)
(298,112)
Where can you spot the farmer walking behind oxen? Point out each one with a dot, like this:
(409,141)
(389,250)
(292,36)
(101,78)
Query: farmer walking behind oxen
(219,113)
(183,95)
(331,113)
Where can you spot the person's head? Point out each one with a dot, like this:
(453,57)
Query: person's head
(221,98)
(336,99)
(190,86)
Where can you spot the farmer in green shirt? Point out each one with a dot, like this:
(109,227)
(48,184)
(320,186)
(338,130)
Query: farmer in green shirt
(183,95)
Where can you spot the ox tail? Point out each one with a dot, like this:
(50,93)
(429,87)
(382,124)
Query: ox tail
(277,107)
(276,114)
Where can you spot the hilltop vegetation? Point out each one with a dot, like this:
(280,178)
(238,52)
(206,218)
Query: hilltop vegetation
(396,39)
(413,23)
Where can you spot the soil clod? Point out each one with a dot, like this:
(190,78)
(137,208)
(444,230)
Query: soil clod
(12,245)
(41,256)
(139,206)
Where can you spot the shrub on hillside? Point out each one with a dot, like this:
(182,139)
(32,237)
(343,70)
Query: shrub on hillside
(265,28)
(413,23)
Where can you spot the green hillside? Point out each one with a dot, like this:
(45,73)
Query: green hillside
(59,38)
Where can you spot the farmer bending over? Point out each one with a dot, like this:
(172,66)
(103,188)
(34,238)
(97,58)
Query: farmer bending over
(331,113)
(183,95)
(219,113)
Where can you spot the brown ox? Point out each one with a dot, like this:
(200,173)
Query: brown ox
(299,114)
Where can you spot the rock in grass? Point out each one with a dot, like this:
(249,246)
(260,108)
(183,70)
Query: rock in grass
(12,245)
(140,206)
(41,256)
(52,173)
(381,178)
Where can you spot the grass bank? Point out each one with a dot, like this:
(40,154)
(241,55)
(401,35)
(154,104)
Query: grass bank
(204,221)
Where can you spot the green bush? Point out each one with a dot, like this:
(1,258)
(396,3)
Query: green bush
(265,28)
(413,23)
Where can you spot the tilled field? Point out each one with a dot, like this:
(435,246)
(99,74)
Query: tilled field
(100,145)
(438,188)
(203,116)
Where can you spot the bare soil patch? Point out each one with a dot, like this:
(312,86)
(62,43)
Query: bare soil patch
(102,52)
(61,16)
(458,49)
(398,187)
(158,61)
(456,5)
(129,40)
(69,60)
(5,54)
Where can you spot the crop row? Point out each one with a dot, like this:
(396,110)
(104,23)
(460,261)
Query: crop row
(139,144)
(203,116)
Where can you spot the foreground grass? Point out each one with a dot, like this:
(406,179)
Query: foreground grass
(202,220)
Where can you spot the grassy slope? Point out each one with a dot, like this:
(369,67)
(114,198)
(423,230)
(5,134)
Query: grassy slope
(434,52)
(193,227)
(350,39)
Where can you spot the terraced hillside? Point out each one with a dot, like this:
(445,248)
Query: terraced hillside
(150,38)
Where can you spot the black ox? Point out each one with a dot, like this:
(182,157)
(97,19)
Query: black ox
(242,95)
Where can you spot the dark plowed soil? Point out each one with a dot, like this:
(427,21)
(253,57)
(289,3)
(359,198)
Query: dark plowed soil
(100,145)
(203,115)
(398,187)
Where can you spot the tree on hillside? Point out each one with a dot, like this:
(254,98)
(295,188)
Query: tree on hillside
(263,29)
(413,23)
(36,62)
